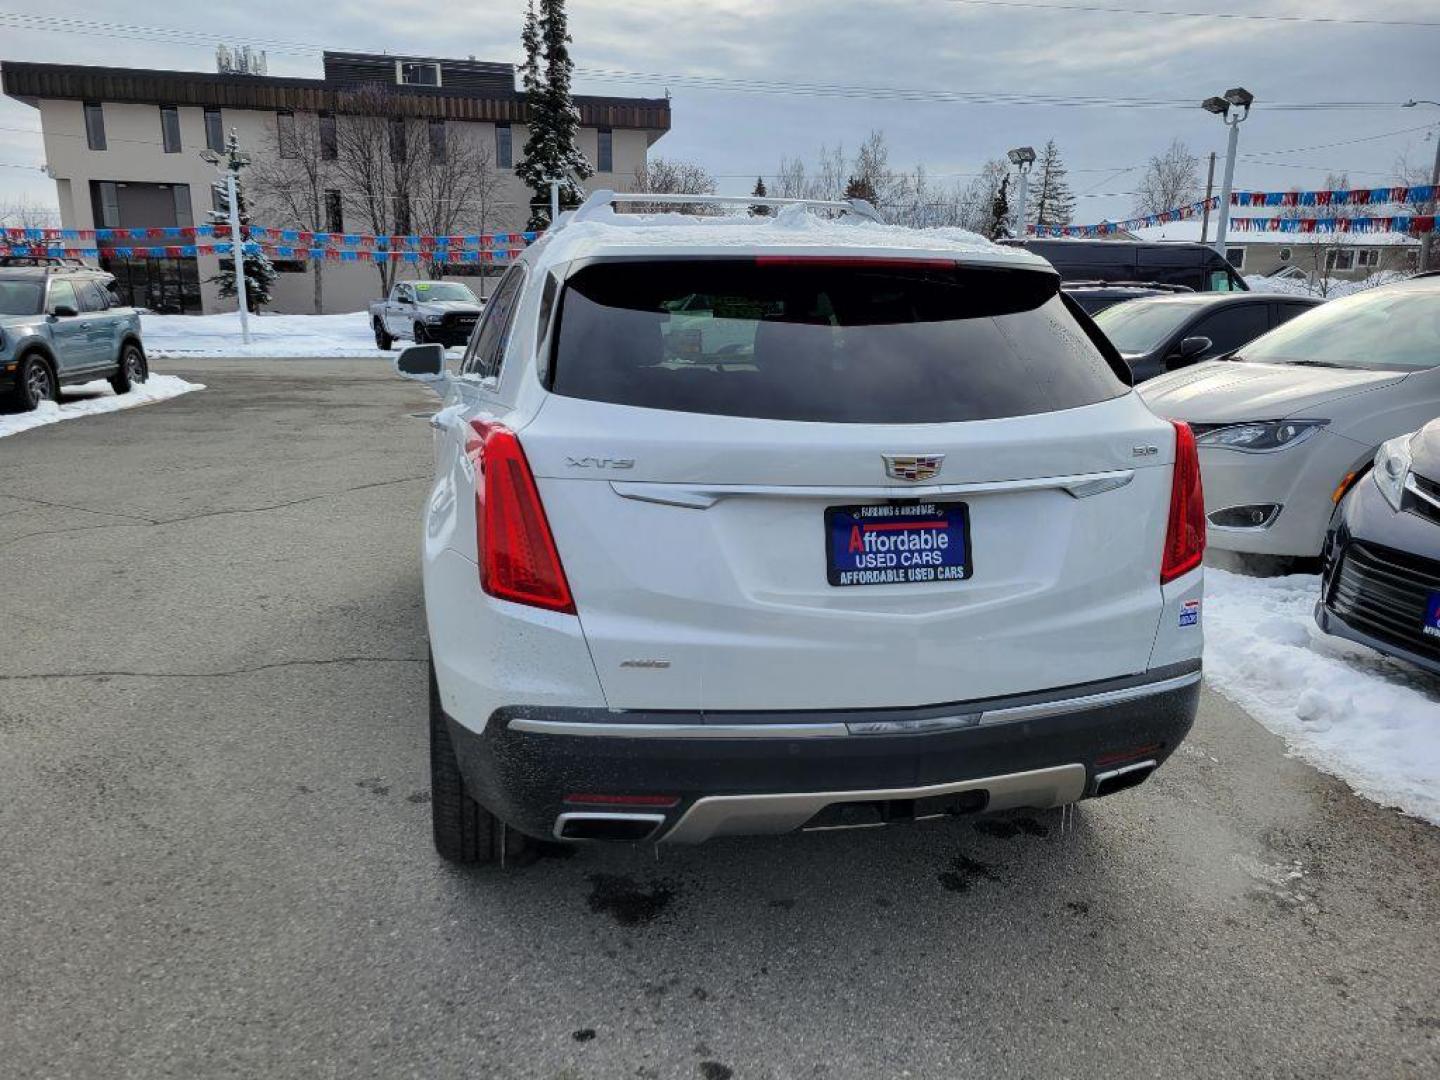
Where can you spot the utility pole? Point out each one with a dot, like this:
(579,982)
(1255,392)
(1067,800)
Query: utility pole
(1240,100)
(228,164)
(1209,190)
(554,183)
(1022,157)
(1427,241)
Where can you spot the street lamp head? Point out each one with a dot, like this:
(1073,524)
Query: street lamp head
(1217,105)
(1239,97)
(1022,155)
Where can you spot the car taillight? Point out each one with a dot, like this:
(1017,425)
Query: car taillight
(1185,535)
(517,554)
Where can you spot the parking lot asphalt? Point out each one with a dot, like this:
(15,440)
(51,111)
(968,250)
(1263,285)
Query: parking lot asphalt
(215,856)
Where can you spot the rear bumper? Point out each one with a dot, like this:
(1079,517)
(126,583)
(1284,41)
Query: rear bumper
(748,773)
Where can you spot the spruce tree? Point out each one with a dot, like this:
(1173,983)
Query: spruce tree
(1052,202)
(860,187)
(551,151)
(1000,210)
(259,273)
(759,209)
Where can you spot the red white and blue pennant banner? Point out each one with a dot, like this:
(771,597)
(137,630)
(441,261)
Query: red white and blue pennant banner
(92,238)
(1386,196)
(274,251)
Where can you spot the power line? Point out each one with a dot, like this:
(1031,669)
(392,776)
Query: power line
(1097,9)
(1343,142)
(57,24)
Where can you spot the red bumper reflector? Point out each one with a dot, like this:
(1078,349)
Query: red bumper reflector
(1120,756)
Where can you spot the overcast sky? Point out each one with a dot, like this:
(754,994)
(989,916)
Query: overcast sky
(935,45)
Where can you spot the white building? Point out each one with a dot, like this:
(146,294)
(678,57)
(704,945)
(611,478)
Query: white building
(123,146)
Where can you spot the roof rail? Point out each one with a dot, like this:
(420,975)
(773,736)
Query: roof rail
(590,207)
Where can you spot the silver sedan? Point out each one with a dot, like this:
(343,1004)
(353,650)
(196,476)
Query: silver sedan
(1288,424)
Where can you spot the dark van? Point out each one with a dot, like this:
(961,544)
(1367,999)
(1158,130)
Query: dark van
(1194,266)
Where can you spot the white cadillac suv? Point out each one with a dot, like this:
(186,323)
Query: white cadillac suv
(754,524)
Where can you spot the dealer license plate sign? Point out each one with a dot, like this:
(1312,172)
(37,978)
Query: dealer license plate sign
(1431,627)
(897,544)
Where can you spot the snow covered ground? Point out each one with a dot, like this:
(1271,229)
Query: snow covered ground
(87,399)
(271,335)
(1337,289)
(1372,721)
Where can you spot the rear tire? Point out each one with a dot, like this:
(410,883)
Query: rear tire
(465,832)
(133,369)
(34,382)
(382,339)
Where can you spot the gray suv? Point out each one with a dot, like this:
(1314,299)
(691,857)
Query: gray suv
(62,324)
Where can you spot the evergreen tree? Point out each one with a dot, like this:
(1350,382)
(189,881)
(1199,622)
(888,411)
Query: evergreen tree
(860,187)
(1051,201)
(759,210)
(998,225)
(550,152)
(259,273)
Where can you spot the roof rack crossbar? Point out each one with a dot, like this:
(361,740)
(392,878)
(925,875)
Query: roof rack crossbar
(602,198)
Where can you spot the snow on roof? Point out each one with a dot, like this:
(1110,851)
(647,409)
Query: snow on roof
(792,228)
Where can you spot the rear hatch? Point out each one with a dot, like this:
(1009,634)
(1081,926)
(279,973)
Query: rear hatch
(806,483)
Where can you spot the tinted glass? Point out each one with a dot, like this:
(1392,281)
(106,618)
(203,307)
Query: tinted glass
(91,296)
(444,290)
(495,329)
(1231,327)
(1138,326)
(1394,328)
(21,297)
(834,341)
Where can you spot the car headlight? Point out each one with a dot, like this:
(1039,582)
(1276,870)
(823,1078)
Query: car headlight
(1261,436)
(434,318)
(1392,465)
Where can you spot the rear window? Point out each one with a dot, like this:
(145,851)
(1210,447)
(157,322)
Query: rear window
(839,341)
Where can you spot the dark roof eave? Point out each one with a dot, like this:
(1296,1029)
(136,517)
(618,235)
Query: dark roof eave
(29,82)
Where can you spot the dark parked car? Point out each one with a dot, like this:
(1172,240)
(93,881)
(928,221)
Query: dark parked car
(1381,580)
(1162,333)
(61,324)
(1096,296)
(1195,266)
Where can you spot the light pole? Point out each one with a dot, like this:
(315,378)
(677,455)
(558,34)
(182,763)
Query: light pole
(1022,157)
(1429,238)
(229,164)
(1239,99)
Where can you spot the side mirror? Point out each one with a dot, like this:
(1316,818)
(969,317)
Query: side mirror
(1190,350)
(423,363)
(63,311)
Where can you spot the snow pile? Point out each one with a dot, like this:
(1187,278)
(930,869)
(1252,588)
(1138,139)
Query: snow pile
(270,335)
(1301,287)
(90,398)
(1372,721)
(791,227)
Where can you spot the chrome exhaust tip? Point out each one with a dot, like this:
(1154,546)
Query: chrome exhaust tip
(1127,776)
(607,826)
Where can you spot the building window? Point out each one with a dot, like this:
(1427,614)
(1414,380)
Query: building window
(214,130)
(218,203)
(1285,254)
(1340,259)
(1235,256)
(184,217)
(1368,258)
(285,133)
(417,73)
(437,141)
(109,204)
(605,158)
(334,212)
(95,125)
(170,128)
(503,156)
(329,143)
(398,141)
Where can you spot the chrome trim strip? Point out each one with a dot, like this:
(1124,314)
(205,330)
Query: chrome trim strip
(857,728)
(721,815)
(655,820)
(701,497)
(1244,528)
(1088,701)
(1411,486)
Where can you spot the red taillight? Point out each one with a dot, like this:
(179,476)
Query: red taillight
(1185,536)
(517,554)
(862,262)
